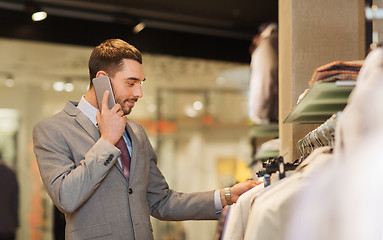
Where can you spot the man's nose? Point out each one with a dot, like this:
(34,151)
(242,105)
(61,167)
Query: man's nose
(138,91)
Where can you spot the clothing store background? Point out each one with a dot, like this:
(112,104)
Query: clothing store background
(195,100)
(193,62)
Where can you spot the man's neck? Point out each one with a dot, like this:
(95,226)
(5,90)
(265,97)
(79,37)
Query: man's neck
(90,97)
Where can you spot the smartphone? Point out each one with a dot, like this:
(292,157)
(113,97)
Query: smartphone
(102,84)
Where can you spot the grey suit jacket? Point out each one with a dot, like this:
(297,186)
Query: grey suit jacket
(84,180)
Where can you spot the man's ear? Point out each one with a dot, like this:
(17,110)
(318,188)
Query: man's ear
(101,74)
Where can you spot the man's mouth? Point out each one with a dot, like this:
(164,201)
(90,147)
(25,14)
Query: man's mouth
(131,102)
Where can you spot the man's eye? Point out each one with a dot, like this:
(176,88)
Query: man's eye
(132,84)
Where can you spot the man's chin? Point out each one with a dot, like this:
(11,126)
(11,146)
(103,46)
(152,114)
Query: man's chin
(127,110)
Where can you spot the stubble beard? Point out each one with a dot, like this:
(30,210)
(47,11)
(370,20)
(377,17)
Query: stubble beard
(126,110)
(125,107)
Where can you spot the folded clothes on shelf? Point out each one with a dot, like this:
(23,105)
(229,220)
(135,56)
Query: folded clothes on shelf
(337,71)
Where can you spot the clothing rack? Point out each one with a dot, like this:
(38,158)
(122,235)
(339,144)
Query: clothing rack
(321,136)
(274,165)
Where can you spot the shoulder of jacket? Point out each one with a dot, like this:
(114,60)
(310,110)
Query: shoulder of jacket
(134,125)
(55,119)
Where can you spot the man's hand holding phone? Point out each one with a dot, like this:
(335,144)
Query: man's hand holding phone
(111,122)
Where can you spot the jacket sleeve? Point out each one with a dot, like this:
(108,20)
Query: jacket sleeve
(166,204)
(68,185)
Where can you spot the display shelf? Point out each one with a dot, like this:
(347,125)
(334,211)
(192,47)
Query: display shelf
(265,130)
(266,154)
(321,101)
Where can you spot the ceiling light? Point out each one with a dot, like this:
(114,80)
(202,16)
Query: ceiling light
(190,111)
(59,86)
(9,82)
(69,87)
(198,105)
(39,16)
(139,27)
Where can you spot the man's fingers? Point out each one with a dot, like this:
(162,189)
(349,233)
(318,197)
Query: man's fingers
(104,103)
(116,108)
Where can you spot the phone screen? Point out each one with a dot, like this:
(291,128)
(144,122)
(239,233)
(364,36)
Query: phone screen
(102,84)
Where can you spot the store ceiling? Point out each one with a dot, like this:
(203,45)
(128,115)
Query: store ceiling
(216,29)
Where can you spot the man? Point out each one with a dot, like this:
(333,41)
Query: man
(9,202)
(87,178)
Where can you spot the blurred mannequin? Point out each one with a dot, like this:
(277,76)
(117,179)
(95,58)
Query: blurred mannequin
(264,75)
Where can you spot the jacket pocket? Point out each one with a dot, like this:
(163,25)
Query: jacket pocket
(93,231)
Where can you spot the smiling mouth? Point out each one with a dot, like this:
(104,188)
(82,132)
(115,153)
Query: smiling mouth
(131,102)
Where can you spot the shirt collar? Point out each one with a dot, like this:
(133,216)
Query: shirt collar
(88,110)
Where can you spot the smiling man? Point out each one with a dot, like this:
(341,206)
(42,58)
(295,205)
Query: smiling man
(99,167)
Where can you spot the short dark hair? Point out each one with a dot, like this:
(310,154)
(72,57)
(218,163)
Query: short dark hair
(108,57)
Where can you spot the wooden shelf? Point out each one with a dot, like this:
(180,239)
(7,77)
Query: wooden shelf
(321,101)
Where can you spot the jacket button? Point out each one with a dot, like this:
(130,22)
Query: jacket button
(130,191)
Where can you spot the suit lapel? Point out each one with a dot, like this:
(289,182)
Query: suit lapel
(88,126)
(82,120)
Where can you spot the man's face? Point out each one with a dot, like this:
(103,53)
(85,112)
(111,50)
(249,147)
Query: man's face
(127,84)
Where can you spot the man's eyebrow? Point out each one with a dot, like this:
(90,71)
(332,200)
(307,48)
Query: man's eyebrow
(136,79)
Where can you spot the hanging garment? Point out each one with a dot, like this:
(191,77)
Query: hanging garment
(270,211)
(264,78)
(363,113)
(236,221)
(359,208)
(347,195)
